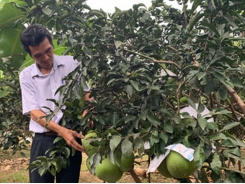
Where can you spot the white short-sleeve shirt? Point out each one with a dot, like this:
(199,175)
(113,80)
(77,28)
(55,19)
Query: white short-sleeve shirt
(36,88)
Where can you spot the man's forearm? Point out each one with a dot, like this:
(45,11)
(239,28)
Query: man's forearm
(67,134)
(37,115)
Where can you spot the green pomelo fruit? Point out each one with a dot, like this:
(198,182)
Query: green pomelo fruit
(162,168)
(178,166)
(88,148)
(125,163)
(107,171)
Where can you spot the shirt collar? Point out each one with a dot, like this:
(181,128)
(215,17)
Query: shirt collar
(57,63)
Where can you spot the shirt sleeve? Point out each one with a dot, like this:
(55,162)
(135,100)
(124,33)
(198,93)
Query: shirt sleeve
(29,101)
(73,64)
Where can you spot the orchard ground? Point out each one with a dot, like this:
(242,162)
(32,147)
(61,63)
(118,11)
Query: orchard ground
(13,169)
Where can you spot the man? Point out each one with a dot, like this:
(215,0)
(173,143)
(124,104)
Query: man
(39,82)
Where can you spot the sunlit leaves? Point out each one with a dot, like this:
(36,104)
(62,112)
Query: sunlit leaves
(9,14)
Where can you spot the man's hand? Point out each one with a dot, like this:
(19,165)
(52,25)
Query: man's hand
(69,136)
(195,63)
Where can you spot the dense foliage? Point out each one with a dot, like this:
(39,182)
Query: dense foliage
(144,65)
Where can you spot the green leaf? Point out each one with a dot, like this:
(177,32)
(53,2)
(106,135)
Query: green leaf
(130,118)
(218,136)
(53,171)
(237,82)
(57,139)
(201,75)
(8,15)
(19,2)
(114,118)
(221,30)
(138,142)
(3,93)
(213,4)
(216,164)
(28,61)
(169,128)
(135,85)
(164,137)
(49,117)
(212,27)
(230,19)
(114,142)
(195,4)
(200,108)
(219,76)
(153,120)
(238,142)
(46,10)
(202,122)
(183,99)
(127,148)
(222,93)
(165,111)
(192,103)
(129,90)
(66,152)
(236,153)
(10,44)
(136,6)
(42,170)
(194,20)
(96,13)
(199,155)
(229,126)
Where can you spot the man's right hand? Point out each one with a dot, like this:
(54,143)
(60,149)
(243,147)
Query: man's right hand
(69,136)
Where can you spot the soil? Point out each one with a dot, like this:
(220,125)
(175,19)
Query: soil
(15,165)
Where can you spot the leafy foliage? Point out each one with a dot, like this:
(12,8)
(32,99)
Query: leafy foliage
(55,159)
(141,65)
(14,126)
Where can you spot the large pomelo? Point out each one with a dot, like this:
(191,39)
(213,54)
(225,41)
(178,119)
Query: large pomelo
(124,163)
(162,168)
(107,171)
(88,148)
(178,166)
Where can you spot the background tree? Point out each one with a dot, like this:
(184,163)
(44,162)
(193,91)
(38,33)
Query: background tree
(139,64)
(13,125)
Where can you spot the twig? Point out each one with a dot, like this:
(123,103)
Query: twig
(154,60)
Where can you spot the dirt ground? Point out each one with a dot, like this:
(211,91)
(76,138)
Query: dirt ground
(14,170)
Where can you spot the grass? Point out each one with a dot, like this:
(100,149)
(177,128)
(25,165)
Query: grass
(13,167)
(12,176)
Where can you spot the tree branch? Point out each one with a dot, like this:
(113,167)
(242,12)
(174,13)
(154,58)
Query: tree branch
(153,59)
(236,98)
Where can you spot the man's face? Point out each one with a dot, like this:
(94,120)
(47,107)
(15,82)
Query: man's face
(43,54)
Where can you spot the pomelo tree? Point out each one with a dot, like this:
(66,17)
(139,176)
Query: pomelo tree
(144,65)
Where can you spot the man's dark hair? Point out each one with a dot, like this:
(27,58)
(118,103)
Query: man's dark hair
(33,35)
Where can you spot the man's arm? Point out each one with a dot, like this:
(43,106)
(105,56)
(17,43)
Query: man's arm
(87,98)
(67,134)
